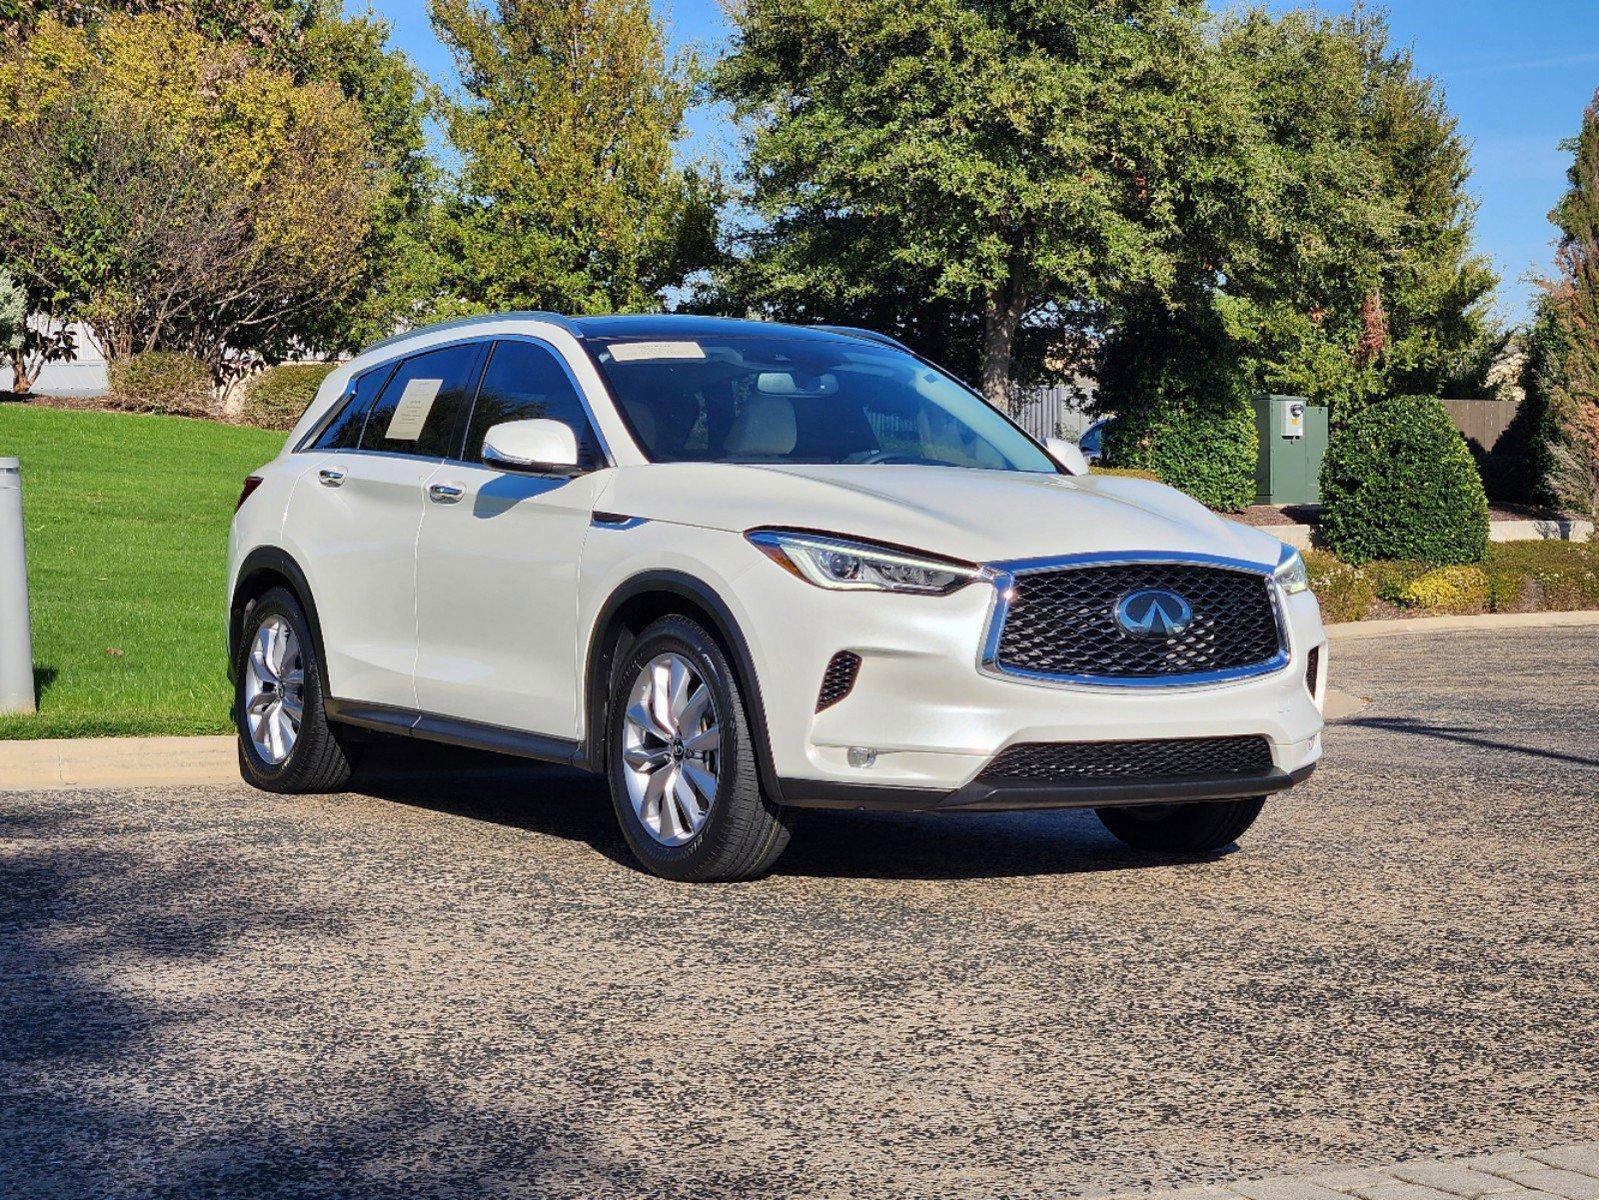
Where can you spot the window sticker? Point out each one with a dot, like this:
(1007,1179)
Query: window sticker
(648,351)
(411,413)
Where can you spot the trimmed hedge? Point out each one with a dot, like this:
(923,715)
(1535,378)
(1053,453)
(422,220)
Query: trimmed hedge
(278,396)
(1205,450)
(1398,482)
(162,381)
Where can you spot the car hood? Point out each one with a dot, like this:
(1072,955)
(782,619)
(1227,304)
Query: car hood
(979,516)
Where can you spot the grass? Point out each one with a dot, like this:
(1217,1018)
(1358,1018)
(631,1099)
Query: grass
(127,524)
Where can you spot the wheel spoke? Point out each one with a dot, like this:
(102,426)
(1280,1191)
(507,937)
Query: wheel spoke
(293,709)
(641,716)
(643,758)
(259,655)
(680,679)
(693,712)
(661,696)
(687,802)
(702,779)
(704,741)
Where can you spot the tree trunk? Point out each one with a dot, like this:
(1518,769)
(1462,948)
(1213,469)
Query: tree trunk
(20,383)
(1002,314)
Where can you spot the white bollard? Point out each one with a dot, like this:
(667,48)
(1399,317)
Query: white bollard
(16,636)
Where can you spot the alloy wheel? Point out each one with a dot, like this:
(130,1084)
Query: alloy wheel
(671,749)
(274,690)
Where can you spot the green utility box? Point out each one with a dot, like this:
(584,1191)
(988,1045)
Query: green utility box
(1292,436)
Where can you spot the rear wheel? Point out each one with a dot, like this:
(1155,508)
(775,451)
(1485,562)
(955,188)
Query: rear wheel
(1182,828)
(681,763)
(285,741)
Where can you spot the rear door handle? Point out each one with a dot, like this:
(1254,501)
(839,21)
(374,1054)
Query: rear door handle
(445,493)
(329,477)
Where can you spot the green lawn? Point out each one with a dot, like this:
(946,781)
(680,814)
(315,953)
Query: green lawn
(127,525)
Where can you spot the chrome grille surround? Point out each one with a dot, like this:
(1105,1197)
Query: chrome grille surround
(1005,575)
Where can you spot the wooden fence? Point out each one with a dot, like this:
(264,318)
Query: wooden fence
(1482,421)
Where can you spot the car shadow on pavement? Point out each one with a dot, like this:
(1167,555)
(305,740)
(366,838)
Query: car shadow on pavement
(575,805)
(138,1053)
(1466,736)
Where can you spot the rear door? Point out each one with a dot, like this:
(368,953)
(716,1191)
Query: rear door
(356,510)
(498,558)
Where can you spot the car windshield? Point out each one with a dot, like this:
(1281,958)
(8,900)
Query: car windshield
(782,398)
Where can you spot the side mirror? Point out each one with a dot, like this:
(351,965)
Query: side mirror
(539,445)
(1067,454)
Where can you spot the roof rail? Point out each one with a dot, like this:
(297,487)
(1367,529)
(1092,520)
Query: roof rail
(482,319)
(871,335)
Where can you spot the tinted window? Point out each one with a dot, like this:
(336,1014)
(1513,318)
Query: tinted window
(344,431)
(525,382)
(781,397)
(419,407)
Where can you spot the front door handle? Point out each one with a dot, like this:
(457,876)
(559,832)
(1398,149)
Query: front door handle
(329,477)
(445,493)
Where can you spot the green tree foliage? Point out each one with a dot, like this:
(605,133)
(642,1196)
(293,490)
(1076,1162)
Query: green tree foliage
(13,314)
(1398,482)
(568,196)
(1355,277)
(176,195)
(1009,167)
(1563,371)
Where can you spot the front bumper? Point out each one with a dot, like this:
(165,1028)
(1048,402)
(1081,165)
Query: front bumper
(934,721)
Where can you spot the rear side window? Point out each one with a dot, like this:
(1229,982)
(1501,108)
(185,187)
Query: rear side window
(344,431)
(421,403)
(525,382)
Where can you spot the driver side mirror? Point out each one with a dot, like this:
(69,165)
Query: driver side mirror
(537,445)
(1067,454)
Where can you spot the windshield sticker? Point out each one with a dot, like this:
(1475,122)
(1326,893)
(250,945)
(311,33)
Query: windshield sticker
(411,414)
(647,351)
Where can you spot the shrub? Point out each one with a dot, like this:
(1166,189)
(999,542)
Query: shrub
(161,381)
(1399,483)
(277,397)
(1205,450)
(1127,473)
(1448,590)
(1345,592)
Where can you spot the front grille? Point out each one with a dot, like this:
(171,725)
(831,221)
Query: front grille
(1063,622)
(838,679)
(1069,762)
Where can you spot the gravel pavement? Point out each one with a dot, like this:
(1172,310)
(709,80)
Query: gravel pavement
(462,987)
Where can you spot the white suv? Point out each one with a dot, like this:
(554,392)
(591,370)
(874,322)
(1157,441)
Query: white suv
(745,569)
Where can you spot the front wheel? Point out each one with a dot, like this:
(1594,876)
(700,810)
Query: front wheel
(681,762)
(1182,828)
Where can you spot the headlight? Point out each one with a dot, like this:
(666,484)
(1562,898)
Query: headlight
(1291,573)
(846,566)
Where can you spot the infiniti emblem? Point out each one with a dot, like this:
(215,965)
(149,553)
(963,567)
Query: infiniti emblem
(1153,613)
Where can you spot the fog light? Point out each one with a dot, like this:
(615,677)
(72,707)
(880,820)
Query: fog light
(861,756)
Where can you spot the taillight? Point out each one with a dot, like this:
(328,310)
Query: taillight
(250,484)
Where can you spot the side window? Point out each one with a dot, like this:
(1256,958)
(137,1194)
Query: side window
(419,407)
(524,382)
(344,431)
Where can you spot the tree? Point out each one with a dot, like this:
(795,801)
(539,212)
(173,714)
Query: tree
(567,195)
(176,196)
(1564,370)
(1023,163)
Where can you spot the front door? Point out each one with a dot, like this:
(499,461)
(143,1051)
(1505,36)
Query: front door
(357,508)
(498,557)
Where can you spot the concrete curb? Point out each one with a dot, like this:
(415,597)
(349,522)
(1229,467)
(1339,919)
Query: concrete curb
(58,764)
(1350,631)
(1558,529)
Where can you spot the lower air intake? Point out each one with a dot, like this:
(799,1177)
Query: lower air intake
(1173,758)
(838,680)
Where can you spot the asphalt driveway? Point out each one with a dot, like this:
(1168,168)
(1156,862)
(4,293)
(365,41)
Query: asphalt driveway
(463,988)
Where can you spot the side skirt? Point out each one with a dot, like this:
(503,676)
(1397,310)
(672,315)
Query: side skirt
(452,731)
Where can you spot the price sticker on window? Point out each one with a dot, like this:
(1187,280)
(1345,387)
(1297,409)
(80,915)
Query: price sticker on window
(411,414)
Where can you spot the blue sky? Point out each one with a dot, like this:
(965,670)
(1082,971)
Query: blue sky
(1518,73)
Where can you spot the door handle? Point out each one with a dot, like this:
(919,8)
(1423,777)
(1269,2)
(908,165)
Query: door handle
(445,493)
(329,477)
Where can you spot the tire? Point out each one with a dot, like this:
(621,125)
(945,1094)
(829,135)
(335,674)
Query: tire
(320,758)
(740,832)
(1182,828)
